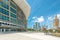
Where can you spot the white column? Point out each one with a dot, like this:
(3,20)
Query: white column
(1,30)
(4,30)
(9,30)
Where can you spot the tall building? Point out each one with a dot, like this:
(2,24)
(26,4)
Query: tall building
(36,26)
(13,15)
(56,22)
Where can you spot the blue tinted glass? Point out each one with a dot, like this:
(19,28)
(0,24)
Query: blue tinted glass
(3,17)
(5,12)
(5,0)
(13,20)
(0,10)
(11,9)
(12,5)
(0,16)
(13,15)
(7,18)
(5,6)
(1,3)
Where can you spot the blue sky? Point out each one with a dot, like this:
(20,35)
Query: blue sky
(43,11)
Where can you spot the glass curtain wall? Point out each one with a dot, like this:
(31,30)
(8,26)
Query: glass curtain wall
(10,12)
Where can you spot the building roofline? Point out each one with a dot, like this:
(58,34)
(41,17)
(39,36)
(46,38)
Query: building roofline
(24,6)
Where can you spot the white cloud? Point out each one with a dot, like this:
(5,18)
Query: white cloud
(40,19)
(58,15)
(34,18)
(50,18)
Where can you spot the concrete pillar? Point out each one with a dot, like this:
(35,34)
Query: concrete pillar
(4,30)
(9,30)
(1,30)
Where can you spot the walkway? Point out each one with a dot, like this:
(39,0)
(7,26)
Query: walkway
(27,36)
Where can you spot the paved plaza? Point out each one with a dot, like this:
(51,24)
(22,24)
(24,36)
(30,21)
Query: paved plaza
(27,36)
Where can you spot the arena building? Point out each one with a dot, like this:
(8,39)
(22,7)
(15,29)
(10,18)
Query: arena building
(13,15)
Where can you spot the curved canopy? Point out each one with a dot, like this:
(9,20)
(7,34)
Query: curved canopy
(24,6)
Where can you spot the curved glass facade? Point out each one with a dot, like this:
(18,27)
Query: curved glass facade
(11,16)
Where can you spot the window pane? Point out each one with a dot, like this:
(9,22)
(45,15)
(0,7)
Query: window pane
(12,15)
(5,12)
(0,10)
(13,5)
(7,18)
(1,3)
(11,9)
(5,6)
(5,0)
(3,17)
(0,16)
(13,20)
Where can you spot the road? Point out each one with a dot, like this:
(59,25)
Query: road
(27,36)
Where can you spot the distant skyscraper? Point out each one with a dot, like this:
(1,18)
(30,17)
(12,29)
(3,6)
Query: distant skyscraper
(56,22)
(36,26)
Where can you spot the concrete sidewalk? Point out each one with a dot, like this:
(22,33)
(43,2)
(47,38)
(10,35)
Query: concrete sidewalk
(27,36)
